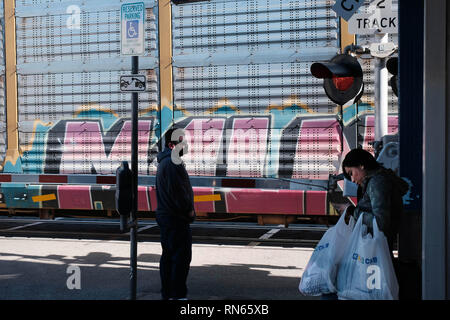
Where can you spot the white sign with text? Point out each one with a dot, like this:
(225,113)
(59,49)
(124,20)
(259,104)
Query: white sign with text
(381,20)
(132,31)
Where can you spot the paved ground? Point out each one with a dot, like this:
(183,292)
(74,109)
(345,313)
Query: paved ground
(32,268)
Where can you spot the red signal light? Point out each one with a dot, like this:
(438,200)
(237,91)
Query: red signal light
(342,78)
(343,83)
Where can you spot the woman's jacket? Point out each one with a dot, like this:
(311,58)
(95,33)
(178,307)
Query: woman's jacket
(380,196)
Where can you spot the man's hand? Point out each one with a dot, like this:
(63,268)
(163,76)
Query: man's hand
(192,215)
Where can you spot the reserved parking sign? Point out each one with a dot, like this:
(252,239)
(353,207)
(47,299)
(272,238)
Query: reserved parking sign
(132,35)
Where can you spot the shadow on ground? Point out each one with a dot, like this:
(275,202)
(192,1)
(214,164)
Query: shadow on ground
(104,277)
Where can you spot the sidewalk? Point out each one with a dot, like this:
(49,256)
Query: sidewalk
(38,268)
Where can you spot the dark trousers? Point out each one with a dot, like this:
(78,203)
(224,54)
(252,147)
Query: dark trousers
(176,243)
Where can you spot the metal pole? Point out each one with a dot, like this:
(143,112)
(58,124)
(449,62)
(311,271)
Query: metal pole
(436,150)
(341,123)
(381,94)
(357,124)
(134,171)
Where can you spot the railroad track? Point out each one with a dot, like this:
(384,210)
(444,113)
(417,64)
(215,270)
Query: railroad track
(251,234)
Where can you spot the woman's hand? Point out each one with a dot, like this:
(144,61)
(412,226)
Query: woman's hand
(344,207)
(340,207)
(349,213)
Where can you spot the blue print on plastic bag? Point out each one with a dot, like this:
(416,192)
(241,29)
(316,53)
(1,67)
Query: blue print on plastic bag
(363,260)
(321,247)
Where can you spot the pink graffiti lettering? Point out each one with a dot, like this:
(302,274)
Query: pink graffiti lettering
(369,132)
(204,138)
(84,147)
(318,149)
(247,150)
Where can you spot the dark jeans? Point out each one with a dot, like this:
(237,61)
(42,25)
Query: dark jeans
(176,243)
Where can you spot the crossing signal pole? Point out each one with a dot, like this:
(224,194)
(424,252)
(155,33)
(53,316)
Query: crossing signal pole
(379,20)
(381,94)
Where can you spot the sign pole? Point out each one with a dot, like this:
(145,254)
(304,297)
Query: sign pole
(134,171)
(132,43)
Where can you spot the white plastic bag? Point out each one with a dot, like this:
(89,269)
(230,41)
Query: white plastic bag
(366,271)
(319,276)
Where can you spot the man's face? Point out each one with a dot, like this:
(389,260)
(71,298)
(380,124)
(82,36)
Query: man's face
(174,143)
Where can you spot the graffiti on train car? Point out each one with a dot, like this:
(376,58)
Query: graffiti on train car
(314,150)
(240,146)
(83,147)
(302,146)
(310,147)
(235,146)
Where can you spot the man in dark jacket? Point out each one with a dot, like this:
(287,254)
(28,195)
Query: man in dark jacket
(174,213)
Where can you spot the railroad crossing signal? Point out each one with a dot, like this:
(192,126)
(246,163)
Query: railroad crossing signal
(392,66)
(123,196)
(342,78)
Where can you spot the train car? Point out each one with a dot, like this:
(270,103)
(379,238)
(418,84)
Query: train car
(234,74)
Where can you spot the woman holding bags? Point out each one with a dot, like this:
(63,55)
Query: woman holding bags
(380,193)
(358,262)
(366,270)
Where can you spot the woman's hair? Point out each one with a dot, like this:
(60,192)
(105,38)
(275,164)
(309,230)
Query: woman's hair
(359,157)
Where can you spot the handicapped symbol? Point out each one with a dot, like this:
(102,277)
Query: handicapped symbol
(131,30)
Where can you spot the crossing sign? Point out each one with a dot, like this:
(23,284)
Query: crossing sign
(346,8)
(132,32)
(381,20)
